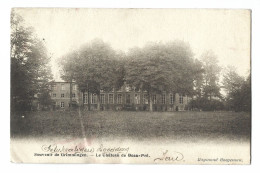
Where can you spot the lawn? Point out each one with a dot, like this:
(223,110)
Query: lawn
(189,126)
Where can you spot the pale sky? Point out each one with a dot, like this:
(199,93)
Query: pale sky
(225,32)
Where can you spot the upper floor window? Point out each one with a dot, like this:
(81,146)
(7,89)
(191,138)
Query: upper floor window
(73,95)
(54,95)
(62,87)
(62,104)
(62,95)
(181,99)
(74,87)
(163,99)
(53,87)
(127,88)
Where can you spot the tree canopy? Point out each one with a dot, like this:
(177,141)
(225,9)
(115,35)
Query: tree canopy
(30,70)
(211,75)
(94,66)
(161,67)
(238,90)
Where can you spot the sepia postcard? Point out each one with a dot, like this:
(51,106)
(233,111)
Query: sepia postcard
(130,86)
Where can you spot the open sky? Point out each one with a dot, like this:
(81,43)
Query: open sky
(225,32)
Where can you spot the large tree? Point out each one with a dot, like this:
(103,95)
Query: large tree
(238,90)
(30,71)
(206,85)
(198,78)
(161,67)
(232,81)
(211,87)
(95,67)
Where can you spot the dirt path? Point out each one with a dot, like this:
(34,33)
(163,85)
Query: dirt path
(82,127)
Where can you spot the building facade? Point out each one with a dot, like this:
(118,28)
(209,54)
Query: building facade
(60,94)
(124,99)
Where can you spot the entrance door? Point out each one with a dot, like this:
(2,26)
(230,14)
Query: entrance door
(127,98)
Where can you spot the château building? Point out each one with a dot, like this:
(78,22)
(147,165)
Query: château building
(123,99)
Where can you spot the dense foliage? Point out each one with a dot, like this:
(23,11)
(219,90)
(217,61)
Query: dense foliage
(161,67)
(94,67)
(30,72)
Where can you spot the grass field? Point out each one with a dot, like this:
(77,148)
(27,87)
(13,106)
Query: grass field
(185,126)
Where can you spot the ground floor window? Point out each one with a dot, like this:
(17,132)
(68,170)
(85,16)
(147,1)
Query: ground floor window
(154,99)
(62,104)
(137,98)
(102,98)
(145,99)
(128,101)
(119,98)
(94,99)
(111,98)
(171,99)
(181,99)
(85,98)
(163,99)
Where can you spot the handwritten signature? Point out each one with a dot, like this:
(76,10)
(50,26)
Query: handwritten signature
(174,156)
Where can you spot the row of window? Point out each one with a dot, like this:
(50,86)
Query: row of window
(93,99)
(54,87)
(119,99)
(63,95)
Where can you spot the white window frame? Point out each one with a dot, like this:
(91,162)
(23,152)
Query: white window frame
(62,104)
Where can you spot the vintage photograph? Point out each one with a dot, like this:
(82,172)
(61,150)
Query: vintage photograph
(135,86)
